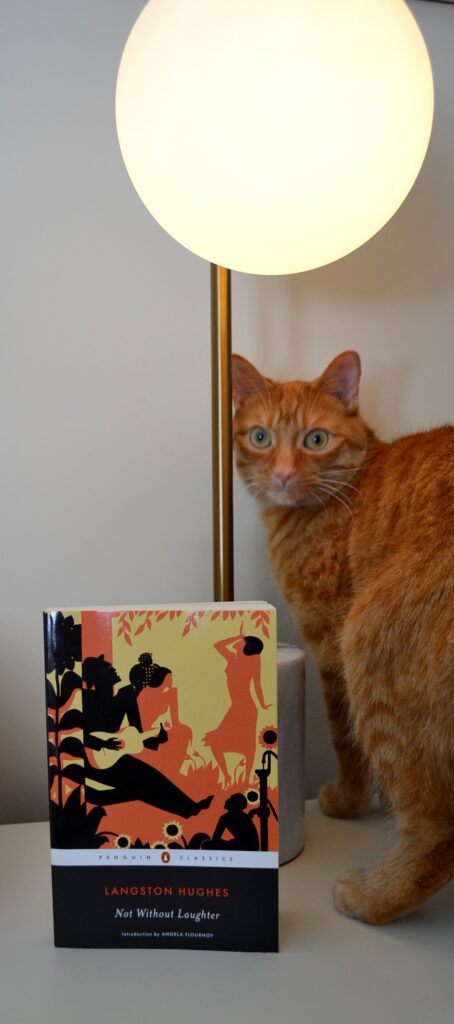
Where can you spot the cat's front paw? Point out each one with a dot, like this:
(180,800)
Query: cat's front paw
(349,893)
(338,801)
(357,894)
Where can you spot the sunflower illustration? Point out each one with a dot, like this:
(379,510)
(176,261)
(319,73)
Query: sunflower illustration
(158,846)
(123,842)
(268,737)
(252,796)
(172,830)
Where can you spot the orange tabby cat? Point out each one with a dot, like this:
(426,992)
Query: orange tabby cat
(361,538)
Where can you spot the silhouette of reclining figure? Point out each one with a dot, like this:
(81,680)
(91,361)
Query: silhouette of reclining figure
(128,778)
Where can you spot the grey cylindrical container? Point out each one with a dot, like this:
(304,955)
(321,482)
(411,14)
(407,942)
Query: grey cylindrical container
(291,713)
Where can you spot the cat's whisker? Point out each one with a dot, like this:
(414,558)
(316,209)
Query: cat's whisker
(314,494)
(330,485)
(343,470)
(253,487)
(342,483)
(333,481)
(336,496)
(351,487)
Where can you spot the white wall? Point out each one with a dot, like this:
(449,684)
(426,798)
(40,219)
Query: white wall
(105,358)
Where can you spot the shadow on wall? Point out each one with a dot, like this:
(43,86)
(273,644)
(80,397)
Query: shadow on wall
(23,760)
(410,261)
(293,347)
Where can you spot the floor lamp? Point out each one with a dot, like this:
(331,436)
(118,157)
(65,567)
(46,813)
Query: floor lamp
(270,137)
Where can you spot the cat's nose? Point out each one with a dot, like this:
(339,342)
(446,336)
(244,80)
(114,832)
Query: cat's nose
(284,475)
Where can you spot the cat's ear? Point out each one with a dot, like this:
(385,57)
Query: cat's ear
(341,379)
(246,380)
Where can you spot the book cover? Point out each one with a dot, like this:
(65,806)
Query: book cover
(163,776)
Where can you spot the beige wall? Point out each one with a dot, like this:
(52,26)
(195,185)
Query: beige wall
(105,358)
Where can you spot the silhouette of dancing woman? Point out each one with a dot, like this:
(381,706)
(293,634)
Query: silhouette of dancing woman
(125,777)
(237,732)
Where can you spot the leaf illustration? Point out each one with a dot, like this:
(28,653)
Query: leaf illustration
(160,616)
(101,838)
(95,816)
(73,801)
(139,629)
(70,745)
(63,642)
(71,720)
(50,724)
(53,771)
(75,772)
(124,626)
(51,750)
(71,681)
(214,616)
(261,620)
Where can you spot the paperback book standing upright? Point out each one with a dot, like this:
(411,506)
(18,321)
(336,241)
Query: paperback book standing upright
(162,728)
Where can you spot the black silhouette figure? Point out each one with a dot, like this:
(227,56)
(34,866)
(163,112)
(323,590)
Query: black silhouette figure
(112,726)
(238,824)
(143,673)
(157,698)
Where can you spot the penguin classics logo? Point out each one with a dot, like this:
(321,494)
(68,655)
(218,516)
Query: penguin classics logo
(165,856)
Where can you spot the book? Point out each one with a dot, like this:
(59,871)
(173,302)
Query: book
(163,776)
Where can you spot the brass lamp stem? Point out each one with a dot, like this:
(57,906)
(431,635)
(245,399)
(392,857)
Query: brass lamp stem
(221,353)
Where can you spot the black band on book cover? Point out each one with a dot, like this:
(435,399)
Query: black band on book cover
(174,908)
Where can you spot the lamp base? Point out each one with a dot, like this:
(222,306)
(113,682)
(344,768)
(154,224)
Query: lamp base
(291,712)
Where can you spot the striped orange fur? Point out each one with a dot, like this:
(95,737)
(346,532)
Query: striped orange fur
(361,540)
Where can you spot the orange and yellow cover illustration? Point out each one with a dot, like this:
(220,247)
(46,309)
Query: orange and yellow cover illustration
(163,769)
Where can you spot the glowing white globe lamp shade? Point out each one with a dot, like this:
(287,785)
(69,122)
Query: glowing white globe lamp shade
(274,136)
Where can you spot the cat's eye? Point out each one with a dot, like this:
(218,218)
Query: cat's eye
(260,437)
(316,439)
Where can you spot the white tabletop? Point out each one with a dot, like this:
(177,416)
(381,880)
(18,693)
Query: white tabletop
(331,970)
